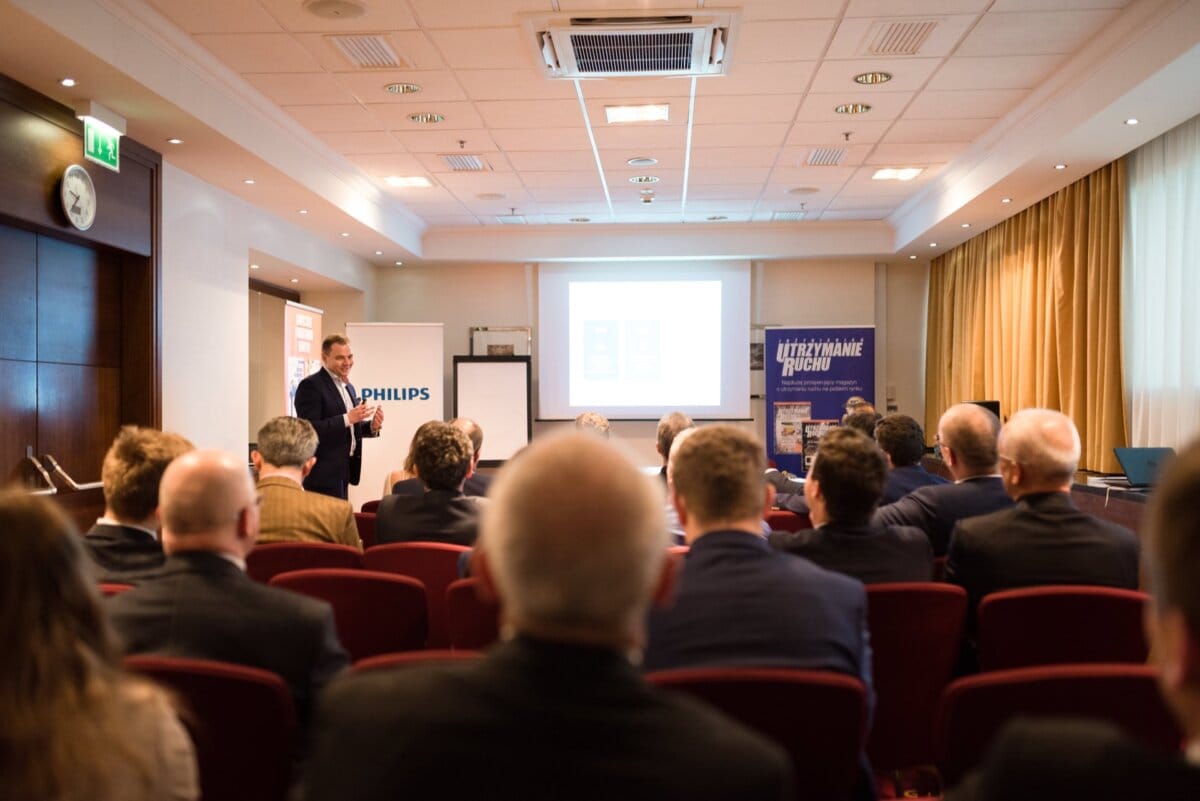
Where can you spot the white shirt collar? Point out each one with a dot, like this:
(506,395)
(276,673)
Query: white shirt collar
(108,521)
(337,379)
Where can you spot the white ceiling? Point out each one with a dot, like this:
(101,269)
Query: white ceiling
(315,132)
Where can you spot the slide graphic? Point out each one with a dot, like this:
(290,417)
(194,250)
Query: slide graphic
(642,349)
(600,350)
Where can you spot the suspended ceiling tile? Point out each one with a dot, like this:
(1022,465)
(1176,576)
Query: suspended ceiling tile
(989,103)
(376,17)
(853,37)
(915,155)
(884,106)
(667,159)
(552,160)
(908,75)
(530,113)
(473,13)
(301,88)
(484,48)
(1033,33)
(259,52)
(734,156)
(782,40)
(321,119)
(1065,5)
(472,183)
(527,139)
(790,9)
(437,86)
(764,135)
(913,132)
(809,176)
(382,165)
(476,141)
(218,16)
(633,90)
(851,155)
(459,116)
(746,109)
(994,72)
(856,214)
(360,142)
(558,194)
(747,78)
(642,139)
(906,8)
(433,163)
(413,49)
(513,84)
(861,131)
(721,175)
(725,191)
(580,178)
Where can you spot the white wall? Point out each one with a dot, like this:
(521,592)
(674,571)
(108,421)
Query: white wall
(207,238)
(784,292)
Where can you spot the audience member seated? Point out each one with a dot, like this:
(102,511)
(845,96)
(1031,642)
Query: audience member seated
(592,423)
(789,492)
(476,485)
(668,428)
(1064,761)
(124,543)
(204,606)
(967,438)
(443,457)
(863,421)
(408,471)
(843,488)
(1044,539)
(557,710)
(674,527)
(73,724)
(903,443)
(287,513)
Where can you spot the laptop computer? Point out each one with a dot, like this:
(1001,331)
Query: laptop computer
(1142,466)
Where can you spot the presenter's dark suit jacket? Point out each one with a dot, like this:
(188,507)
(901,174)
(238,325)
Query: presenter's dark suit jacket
(474,487)
(937,508)
(905,479)
(1042,540)
(319,402)
(1066,760)
(433,516)
(123,555)
(870,553)
(202,606)
(533,720)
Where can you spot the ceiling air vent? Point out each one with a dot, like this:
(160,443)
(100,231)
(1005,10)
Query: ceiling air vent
(464,162)
(825,156)
(788,216)
(367,51)
(630,46)
(900,38)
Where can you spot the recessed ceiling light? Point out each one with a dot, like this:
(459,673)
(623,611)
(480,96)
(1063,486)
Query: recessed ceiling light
(804,190)
(399,264)
(642,161)
(581,219)
(966,225)
(345,233)
(852,108)
(67,82)
(248,182)
(426,117)
(303,211)
(1060,166)
(1131,121)
(491,196)
(1006,200)
(933,244)
(408,181)
(896,173)
(174,141)
(295,280)
(869,78)
(912,258)
(379,253)
(644,179)
(716,218)
(651,112)
(402,88)
(253,266)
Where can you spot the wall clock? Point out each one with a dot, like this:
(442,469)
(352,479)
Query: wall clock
(78,197)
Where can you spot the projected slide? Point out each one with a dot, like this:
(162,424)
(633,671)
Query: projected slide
(642,343)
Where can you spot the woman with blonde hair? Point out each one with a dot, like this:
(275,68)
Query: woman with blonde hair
(73,724)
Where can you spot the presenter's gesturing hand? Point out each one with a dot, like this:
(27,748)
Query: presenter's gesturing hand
(377,420)
(359,413)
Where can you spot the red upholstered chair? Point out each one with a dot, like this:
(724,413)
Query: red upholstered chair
(272,558)
(241,720)
(376,613)
(474,623)
(1057,625)
(975,709)
(819,718)
(783,520)
(435,564)
(371,507)
(108,588)
(916,632)
(365,521)
(409,658)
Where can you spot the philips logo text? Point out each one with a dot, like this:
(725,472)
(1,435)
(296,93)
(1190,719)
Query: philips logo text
(395,393)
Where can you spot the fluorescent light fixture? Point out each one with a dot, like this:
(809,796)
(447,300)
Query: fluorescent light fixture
(897,173)
(408,181)
(653,112)
(91,111)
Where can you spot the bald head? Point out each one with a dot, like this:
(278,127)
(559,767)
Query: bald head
(571,570)
(1039,452)
(968,434)
(207,501)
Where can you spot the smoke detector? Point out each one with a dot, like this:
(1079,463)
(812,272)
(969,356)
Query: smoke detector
(334,9)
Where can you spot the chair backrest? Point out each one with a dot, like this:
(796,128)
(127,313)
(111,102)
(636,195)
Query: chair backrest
(474,623)
(241,720)
(975,709)
(272,558)
(819,718)
(109,588)
(410,658)
(783,520)
(365,523)
(939,568)
(1057,625)
(435,564)
(371,506)
(916,633)
(376,613)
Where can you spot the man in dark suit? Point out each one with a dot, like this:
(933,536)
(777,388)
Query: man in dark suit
(204,606)
(442,457)
(124,542)
(843,488)
(476,485)
(903,442)
(1074,761)
(328,401)
(789,492)
(967,438)
(1044,539)
(557,709)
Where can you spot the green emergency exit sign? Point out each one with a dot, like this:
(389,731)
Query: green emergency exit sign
(102,145)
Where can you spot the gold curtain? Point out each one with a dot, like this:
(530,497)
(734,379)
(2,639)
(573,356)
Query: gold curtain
(1029,313)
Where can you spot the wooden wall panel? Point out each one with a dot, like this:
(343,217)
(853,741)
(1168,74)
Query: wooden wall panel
(79,304)
(18,294)
(140,400)
(18,414)
(79,412)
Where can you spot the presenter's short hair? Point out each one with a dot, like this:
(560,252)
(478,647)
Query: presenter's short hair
(719,471)
(287,441)
(442,455)
(133,468)
(902,438)
(333,339)
(852,471)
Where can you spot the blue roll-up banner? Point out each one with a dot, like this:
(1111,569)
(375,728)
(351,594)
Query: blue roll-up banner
(810,373)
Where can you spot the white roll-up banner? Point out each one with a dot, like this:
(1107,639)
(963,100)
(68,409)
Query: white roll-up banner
(397,365)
